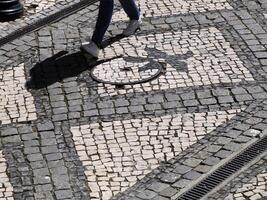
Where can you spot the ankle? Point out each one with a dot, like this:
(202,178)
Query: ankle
(135,19)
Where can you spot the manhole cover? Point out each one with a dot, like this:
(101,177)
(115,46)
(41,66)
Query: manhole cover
(127,71)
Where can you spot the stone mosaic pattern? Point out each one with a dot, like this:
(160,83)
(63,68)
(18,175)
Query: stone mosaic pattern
(254,189)
(16,103)
(118,154)
(200,158)
(42,159)
(150,8)
(6,188)
(37,9)
(40,9)
(36,6)
(249,184)
(127,70)
(194,58)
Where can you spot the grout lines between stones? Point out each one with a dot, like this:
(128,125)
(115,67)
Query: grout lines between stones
(40,164)
(250,184)
(45,11)
(90,139)
(150,8)
(17,104)
(6,188)
(207,153)
(212,61)
(117,154)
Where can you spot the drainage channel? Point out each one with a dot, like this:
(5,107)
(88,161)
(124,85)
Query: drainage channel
(49,19)
(225,171)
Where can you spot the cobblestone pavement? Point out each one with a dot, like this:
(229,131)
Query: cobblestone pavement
(68,136)
(249,185)
(34,10)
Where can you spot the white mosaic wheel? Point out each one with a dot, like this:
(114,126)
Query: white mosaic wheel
(126,71)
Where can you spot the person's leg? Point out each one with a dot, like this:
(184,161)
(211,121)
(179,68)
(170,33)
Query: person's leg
(103,20)
(133,13)
(131,9)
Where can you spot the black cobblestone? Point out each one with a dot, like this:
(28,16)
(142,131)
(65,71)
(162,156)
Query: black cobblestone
(42,157)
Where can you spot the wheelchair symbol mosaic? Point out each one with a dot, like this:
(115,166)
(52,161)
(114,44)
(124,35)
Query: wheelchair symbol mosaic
(196,57)
(127,71)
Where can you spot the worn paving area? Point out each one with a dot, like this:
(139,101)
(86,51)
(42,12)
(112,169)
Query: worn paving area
(66,136)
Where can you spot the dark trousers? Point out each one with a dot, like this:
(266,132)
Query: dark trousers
(105,15)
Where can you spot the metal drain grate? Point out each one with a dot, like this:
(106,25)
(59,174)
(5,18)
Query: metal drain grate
(49,19)
(221,174)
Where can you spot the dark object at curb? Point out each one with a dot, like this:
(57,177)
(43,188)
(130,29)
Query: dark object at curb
(10,10)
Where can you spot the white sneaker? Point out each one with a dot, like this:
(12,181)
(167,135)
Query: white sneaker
(91,49)
(132,27)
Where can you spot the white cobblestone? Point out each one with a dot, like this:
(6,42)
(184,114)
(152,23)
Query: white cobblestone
(151,8)
(194,58)
(6,189)
(254,189)
(16,103)
(117,154)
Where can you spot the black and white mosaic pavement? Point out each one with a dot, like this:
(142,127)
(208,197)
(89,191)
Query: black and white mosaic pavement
(6,188)
(158,9)
(254,189)
(250,184)
(127,71)
(118,154)
(17,104)
(66,136)
(193,58)
(36,10)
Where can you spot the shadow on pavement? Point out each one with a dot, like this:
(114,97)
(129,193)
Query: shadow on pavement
(59,67)
(176,61)
(63,65)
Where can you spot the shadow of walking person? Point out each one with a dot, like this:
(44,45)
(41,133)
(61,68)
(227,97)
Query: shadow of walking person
(109,41)
(59,67)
